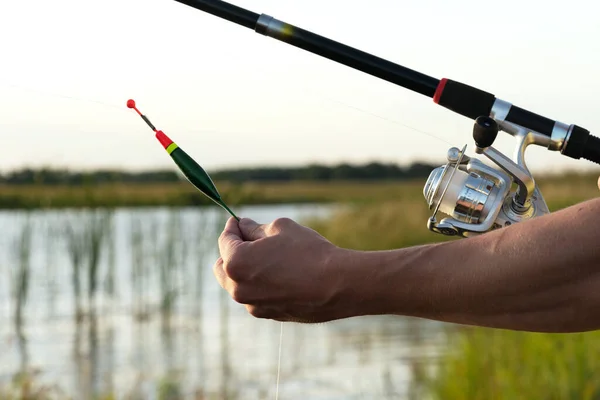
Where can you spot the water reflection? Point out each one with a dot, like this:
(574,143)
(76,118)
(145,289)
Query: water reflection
(125,304)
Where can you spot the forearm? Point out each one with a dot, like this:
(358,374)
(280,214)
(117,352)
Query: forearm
(540,275)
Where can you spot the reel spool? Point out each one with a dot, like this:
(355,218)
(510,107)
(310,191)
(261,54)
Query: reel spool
(478,198)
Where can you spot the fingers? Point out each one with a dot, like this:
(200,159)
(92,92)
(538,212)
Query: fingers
(220,274)
(230,238)
(237,292)
(227,282)
(252,230)
(598,183)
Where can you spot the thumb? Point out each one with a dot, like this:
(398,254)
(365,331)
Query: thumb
(231,236)
(251,230)
(598,183)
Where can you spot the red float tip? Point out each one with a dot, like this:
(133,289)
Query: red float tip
(131,104)
(163,139)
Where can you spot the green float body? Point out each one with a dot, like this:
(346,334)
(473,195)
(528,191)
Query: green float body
(192,171)
(198,177)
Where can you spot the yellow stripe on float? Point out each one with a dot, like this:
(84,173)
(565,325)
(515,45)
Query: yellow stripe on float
(171,148)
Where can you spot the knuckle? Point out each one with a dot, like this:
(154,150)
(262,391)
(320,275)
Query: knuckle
(218,265)
(233,271)
(259,312)
(256,231)
(281,223)
(238,294)
(222,237)
(235,267)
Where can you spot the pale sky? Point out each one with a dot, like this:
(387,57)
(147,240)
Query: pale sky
(231,97)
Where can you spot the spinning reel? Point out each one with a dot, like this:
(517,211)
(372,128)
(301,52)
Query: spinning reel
(478,198)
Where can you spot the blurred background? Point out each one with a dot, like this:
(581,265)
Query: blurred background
(106,253)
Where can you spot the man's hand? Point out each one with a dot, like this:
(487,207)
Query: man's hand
(283,271)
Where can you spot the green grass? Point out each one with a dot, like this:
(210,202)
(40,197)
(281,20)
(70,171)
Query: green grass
(487,364)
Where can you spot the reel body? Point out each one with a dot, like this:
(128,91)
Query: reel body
(477,198)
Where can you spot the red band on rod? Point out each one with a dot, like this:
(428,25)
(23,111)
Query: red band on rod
(440,89)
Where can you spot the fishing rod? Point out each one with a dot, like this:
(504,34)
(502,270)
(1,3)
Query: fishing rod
(475,197)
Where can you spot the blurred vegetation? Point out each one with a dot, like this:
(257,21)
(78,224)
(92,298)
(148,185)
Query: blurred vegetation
(488,364)
(52,188)
(478,363)
(562,189)
(28,386)
(183,194)
(314,172)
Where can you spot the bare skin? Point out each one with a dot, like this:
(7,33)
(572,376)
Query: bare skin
(542,275)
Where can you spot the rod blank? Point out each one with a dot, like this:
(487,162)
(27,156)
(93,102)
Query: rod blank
(320,45)
(224,10)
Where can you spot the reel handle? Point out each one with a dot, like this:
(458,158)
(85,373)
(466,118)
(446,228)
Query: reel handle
(485,131)
(592,149)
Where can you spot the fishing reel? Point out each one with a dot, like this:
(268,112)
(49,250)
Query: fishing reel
(478,198)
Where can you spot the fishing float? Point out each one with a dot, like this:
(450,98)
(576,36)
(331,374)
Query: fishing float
(194,173)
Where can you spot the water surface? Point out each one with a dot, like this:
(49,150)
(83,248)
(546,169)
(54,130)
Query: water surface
(158,324)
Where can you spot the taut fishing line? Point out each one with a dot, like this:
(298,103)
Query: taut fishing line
(371,113)
(222,132)
(279,361)
(64,96)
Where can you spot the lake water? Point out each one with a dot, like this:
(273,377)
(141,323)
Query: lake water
(159,326)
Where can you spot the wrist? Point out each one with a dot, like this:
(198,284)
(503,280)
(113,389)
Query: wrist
(390,282)
(363,285)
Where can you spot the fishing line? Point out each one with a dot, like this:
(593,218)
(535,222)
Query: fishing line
(216,131)
(371,113)
(64,96)
(279,362)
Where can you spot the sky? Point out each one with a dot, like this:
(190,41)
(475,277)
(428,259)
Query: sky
(234,98)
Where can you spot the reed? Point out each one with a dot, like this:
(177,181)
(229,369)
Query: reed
(23,386)
(168,265)
(137,273)
(96,228)
(110,278)
(52,234)
(22,275)
(76,249)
